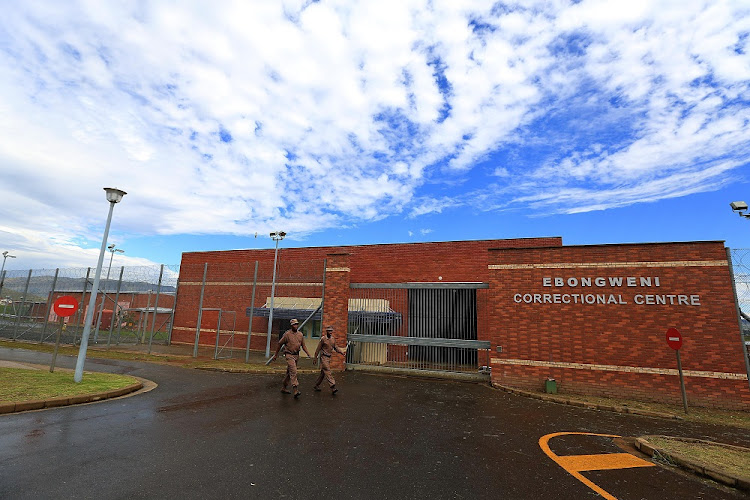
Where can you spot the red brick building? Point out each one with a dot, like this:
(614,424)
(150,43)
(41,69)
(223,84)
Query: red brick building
(593,318)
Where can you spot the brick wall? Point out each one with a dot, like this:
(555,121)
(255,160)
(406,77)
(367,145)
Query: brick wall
(548,329)
(230,277)
(336,301)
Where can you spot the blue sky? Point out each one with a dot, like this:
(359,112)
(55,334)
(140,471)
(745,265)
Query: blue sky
(369,122)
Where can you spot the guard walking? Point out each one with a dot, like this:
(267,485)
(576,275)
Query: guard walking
(326,347)
(292,340)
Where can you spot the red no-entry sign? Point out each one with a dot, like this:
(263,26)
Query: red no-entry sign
(674,339)
(65,306)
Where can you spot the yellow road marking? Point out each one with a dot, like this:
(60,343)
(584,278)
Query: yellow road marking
(580,463)
(574,464)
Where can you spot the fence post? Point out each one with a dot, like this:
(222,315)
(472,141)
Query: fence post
(323,299)
(82,301)
(252,313)
(23,302)
(49,305)
(156,308)
(174,307)
(200,311)
(144,319)
(115,308)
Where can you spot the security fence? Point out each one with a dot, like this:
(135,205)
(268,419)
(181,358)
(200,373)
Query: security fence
(741,268)
(133,304)
(238,306)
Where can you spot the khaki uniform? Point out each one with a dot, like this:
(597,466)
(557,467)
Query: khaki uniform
(293,343)
(326,347)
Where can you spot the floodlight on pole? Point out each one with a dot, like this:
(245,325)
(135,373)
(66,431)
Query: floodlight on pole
(740,207)
(114,196)
(6,255)
(276,236)
(112,249)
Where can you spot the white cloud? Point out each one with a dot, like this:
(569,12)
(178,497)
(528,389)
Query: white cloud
(342,111)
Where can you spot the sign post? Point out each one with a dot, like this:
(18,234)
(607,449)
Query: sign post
(64,306)
(674,340)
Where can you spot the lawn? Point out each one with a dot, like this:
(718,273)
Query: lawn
(734,460)
(20,384)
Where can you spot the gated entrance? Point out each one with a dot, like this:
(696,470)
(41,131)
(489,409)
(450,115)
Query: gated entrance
(418,326)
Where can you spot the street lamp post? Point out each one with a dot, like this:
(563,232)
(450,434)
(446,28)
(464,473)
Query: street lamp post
(276,236)
(6,254)
(112,249)
(114,196)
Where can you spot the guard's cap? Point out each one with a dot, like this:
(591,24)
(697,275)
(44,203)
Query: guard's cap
(294,322)
(329,328)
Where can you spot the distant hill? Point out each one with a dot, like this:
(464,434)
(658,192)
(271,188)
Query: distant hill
(40,286)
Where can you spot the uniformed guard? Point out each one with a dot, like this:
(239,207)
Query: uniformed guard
(326,347)
(293,340)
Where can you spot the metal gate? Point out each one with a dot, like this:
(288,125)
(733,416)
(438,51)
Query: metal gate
(431,327)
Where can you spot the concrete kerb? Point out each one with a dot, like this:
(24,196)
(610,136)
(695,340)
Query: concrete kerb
(722,476)
(583,404)
(58,401)
(255,371)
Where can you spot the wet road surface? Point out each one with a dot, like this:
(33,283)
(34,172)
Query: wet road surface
(206,434)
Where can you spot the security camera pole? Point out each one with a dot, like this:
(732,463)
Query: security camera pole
(114,196)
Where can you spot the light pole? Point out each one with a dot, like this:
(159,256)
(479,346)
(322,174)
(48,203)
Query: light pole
(740,207)
(112,249)
(276,236)
(6,254)
(114,196)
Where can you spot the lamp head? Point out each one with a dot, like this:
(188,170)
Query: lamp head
(114,195)
(6,254)
(278,235)
(111,247)
(738,206)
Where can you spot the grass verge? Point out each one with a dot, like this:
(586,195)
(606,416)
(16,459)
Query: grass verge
(20,384)
(740,419)
(235,364)
(94,352)
(734,460)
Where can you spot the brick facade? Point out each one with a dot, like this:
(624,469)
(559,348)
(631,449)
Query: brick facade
(591,317)
(336,301)
(616,345)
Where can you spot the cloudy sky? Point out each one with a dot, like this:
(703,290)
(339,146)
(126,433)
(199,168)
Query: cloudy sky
(347,122)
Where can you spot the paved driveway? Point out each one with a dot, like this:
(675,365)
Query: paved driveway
(206,434)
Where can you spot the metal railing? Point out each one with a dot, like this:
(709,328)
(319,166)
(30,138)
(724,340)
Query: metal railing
(419,353)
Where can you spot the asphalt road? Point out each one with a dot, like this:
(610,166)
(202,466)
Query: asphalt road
(218,435)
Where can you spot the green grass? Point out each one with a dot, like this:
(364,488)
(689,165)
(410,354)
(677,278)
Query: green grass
(20,384)
(94,352)
(734,461)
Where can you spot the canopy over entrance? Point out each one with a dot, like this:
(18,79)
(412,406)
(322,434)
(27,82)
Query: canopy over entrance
(367,310)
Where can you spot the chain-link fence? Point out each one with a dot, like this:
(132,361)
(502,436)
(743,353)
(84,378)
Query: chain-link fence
(741,266)
(216,298)
(133,304)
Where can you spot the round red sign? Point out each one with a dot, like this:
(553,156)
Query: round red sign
(65,306)
(674,339)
